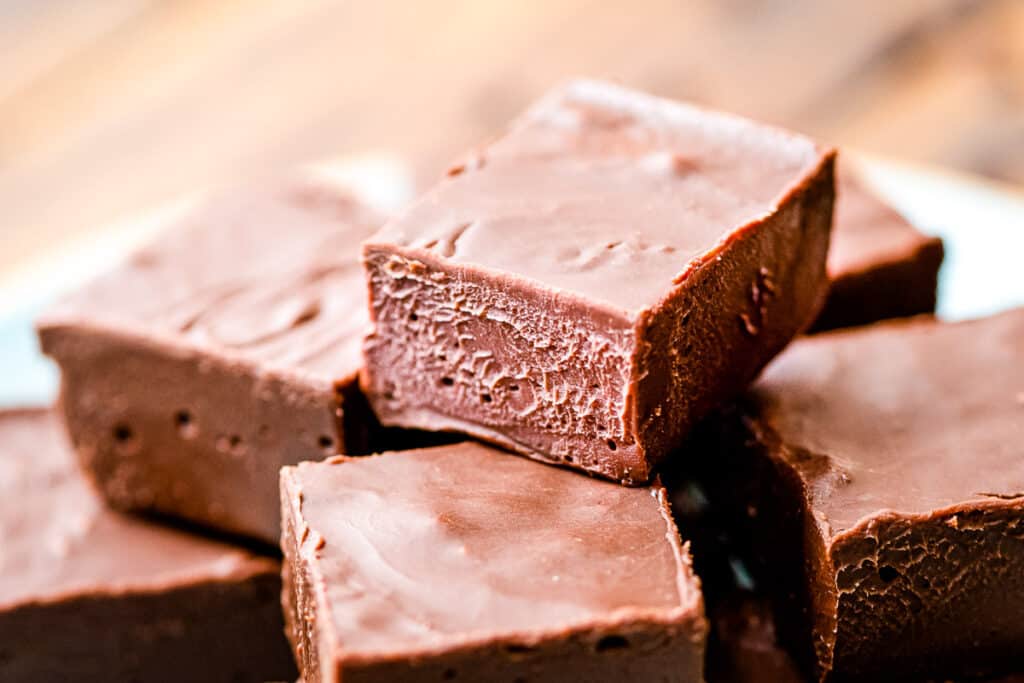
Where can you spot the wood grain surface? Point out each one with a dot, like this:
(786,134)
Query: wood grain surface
(110,106)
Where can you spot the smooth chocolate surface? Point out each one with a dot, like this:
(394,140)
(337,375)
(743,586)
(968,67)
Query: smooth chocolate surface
(880,266)
(87,594)
(463,562)
(585,288)
(221,352)
(880,479)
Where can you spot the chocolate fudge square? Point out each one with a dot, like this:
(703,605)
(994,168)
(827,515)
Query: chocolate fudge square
(585,288)
(224,350)
(87,594)
(881,477)
(880,266)
(465,563)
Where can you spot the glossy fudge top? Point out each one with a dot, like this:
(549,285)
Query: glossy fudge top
(607,193)
(59,541)
(867,231)
(269,273)
(915,418)
(425,549)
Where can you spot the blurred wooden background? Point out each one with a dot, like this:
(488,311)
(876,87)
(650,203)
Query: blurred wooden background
(109,106)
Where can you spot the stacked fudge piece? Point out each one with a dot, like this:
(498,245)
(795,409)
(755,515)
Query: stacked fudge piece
(190,375)
(581,291)
(595,290)
(226,349)
(589,286)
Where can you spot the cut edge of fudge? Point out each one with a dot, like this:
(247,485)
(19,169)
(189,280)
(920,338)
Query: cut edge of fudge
(757,285)
(304,601)
(219,395)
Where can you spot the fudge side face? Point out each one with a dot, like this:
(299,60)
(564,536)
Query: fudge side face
(219,353)
(586,287)
(890,505)
(465,562)
(87,594)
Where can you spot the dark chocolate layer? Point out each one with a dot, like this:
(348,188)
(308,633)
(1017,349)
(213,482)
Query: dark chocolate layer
(880,266)
(588,286)
(464,562)
(881,475)
(92,595)
(221,352)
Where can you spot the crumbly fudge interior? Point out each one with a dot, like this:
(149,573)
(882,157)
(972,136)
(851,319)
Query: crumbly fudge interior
(896,573)
(506,363)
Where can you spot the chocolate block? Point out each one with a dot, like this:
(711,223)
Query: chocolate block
(87,594)
(879,264)
(585,288)
(223,351)
(880,479)
(464,563)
